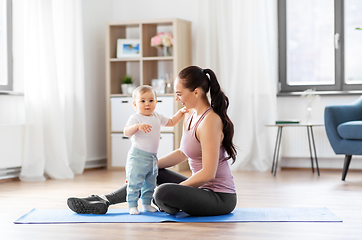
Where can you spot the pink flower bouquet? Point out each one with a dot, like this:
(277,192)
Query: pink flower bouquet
(162,39)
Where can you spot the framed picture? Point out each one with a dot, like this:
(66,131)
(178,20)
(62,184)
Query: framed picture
(128,48)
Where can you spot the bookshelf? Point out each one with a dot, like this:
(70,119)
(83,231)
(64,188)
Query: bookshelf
(150,64)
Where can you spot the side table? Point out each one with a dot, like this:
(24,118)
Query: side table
(310,141)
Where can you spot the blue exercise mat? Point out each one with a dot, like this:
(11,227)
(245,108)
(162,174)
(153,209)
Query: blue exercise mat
(43,216)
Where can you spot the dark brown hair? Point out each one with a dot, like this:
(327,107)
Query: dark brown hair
(193,77)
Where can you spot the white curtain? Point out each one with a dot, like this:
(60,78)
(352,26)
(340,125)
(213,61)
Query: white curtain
(55,143)
(238,40)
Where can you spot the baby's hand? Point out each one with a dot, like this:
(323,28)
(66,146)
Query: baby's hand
(145,127)
(184,110)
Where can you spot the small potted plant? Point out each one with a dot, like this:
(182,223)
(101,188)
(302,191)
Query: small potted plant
(127,86)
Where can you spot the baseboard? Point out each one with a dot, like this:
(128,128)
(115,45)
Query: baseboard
(324,163)
(96,163)
(14,172)
(324,169)
(8,173)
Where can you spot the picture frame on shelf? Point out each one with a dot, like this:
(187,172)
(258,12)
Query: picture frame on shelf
(128,48)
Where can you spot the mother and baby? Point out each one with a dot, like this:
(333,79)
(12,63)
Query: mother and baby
(207,144)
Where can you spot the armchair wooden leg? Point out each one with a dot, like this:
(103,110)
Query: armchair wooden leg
(347,161)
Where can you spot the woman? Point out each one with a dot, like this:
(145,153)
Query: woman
(207,145)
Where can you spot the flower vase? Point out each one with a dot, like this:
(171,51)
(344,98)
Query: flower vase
(166,51)
(124,88)
(127,88)
(309,115)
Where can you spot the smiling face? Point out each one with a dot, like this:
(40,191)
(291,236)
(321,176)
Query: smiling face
(185,96)
(145,103)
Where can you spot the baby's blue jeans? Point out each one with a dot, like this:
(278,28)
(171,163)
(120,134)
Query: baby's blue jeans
(141,174)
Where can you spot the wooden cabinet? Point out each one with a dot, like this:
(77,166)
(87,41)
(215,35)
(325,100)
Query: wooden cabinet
(150,64)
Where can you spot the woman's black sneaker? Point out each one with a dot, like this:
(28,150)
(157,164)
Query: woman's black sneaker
(91,205)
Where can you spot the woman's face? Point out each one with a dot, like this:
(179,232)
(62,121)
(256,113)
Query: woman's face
(185,96)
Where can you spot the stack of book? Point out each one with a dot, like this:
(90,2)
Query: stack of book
(287,122)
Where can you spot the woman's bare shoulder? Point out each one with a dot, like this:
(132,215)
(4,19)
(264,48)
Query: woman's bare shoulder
(212,121)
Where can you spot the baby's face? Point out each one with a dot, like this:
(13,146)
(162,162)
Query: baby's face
(145,103)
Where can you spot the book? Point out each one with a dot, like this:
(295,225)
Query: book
(287,122)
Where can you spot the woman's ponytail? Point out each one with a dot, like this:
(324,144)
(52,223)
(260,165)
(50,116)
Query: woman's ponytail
(220,104)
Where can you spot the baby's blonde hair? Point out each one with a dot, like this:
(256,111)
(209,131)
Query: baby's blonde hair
(141,90)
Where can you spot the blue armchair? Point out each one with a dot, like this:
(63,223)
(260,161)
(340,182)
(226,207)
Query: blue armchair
(343,125)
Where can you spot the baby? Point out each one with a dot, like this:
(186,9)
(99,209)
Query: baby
(144,130)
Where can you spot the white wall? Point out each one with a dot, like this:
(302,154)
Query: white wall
(95,15)
(295,107)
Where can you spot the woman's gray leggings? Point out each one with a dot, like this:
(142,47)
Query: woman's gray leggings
(172,197)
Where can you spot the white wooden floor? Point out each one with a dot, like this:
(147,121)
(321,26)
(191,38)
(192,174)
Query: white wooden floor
(290,188)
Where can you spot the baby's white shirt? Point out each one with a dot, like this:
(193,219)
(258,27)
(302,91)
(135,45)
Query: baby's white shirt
(147,141)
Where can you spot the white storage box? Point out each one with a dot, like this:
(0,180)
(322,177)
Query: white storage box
(166,144)
(121,109)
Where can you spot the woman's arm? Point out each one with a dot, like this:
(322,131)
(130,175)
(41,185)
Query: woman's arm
(210,135)
(172,159)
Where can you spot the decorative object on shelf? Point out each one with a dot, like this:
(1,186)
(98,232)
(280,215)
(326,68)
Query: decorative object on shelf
(127,86)
(163,41)
(311,96)
(169,88)
(128,48)
(159,85)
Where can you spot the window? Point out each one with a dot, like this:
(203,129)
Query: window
(6,81)
(320,46)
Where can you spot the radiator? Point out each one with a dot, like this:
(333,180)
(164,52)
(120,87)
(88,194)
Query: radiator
(11,145)
(295,152)
(11,150)
(295,143)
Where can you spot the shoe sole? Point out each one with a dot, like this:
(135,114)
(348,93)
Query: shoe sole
(85,207)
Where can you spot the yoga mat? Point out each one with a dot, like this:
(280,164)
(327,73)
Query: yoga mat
(52,216)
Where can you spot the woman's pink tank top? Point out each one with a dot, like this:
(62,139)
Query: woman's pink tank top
(191,147)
